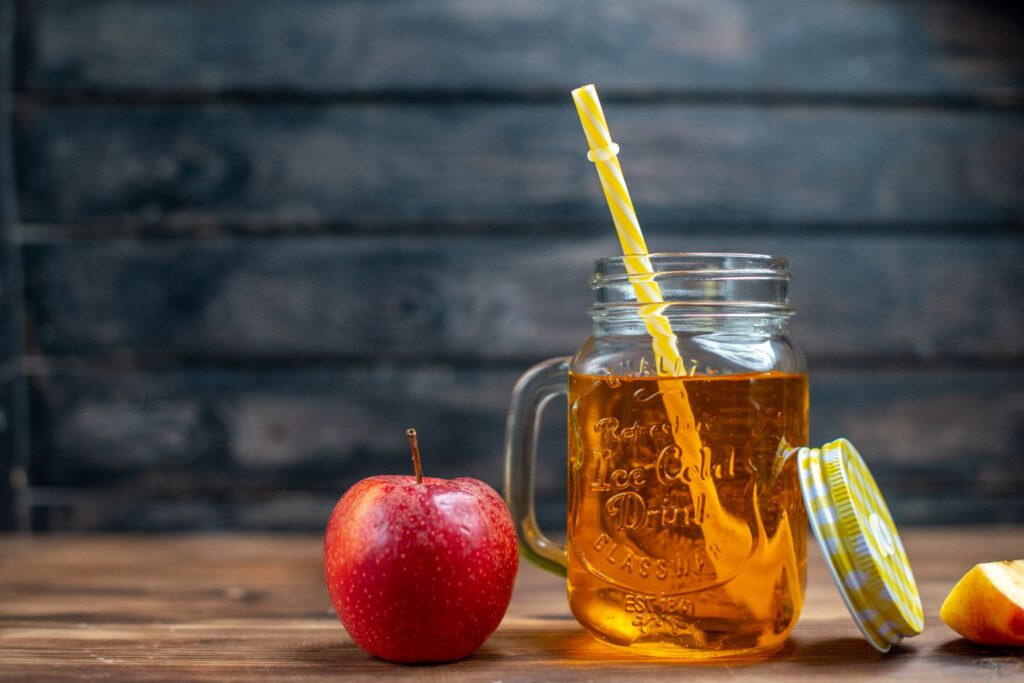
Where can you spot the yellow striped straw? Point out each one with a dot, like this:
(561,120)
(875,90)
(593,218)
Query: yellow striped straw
(731,535)
(604,154)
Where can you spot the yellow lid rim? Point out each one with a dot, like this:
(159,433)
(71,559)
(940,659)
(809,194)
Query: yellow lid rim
(845,544)
(866,524)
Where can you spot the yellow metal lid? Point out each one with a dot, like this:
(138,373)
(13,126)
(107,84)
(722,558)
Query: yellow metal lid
(862,548)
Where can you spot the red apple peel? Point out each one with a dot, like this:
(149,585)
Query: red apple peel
(420,569)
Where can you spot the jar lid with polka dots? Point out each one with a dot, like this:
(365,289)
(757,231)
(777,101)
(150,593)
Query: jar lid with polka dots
(861,545)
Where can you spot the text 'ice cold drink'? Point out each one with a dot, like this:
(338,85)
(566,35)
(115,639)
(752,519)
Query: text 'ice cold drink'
(686,527)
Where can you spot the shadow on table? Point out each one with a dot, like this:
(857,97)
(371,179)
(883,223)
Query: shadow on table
(991,657)
(348,656)
(571,644)
(846,651)
(576,645)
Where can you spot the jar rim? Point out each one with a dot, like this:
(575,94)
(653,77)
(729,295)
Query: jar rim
(696,254)
(612,269)
(693,285)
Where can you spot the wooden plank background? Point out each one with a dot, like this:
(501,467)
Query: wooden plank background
(261,238)
(870,298)
(8,303)
(817,47)
(480,167)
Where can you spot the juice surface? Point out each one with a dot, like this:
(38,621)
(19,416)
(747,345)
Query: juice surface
(686,527)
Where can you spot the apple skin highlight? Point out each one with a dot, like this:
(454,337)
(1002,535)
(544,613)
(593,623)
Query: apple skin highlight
(420,572)
(987,605)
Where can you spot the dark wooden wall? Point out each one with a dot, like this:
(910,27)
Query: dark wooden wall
(257,239)
(10,376)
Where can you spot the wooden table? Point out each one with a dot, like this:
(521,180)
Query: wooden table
(254,608)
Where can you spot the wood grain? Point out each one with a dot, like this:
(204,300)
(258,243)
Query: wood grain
(13,425)
(260,237)
(938,49)
(254,608)
(486,166)
(213,449)
(462,299)
(7,334)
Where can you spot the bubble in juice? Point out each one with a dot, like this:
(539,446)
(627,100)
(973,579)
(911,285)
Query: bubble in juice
(686,527)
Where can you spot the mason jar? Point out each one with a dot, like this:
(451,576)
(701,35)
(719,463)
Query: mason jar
(686,533)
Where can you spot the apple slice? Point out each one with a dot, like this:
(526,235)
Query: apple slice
(987,604)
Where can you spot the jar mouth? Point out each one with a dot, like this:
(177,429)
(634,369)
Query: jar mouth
(615,269)
(731,309)
(694,284)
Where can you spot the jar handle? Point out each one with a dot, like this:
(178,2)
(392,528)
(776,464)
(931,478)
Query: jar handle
(535,388)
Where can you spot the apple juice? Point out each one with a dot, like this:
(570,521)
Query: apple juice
(686,529)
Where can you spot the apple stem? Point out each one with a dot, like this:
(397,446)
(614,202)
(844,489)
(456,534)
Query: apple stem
(414,446)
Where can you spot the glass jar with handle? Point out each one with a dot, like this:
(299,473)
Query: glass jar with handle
(686,532)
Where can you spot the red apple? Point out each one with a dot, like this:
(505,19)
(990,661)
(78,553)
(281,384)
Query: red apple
(420,569)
